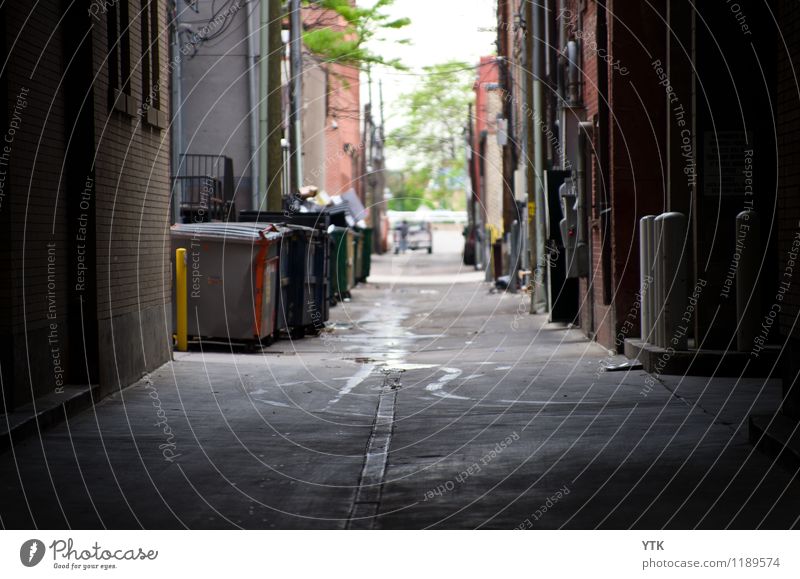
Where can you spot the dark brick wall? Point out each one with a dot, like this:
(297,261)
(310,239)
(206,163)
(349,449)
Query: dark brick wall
(632,137)
(788,110)
(32,216)
(637,37)
(130,176)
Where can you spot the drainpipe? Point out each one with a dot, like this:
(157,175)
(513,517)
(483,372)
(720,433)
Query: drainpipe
(585,131)
(296,84)
(561,41)
(252,85)
(538,148)
(177,109)
(263,97)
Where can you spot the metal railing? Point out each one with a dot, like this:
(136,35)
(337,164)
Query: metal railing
(204,187)
(200,199)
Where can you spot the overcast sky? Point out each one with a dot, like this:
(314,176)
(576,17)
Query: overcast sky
(440,30)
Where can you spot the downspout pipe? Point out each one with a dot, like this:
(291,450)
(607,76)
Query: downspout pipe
(296,82)
(539,152)
(585,133)
(252,85)
(263,98)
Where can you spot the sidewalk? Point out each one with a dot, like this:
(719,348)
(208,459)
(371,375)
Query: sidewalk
(492,418)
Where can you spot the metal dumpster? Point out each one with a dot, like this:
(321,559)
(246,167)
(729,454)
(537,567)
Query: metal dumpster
(341,261)
(232,279)
(366,253)
(338,257)
(303,304)
(321,220)
(317,279)
(310,263)
(287,297)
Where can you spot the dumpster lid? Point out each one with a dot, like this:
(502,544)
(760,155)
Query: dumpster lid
(229,232)
(318,219)
(295,227)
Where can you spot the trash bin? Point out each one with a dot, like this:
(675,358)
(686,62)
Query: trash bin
(318,280)
(287,296)
(232,271)
(321,220)
(341,262)
(366,253)
(303,306)
(358,256)
(311,228)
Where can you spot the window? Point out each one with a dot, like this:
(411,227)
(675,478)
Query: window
(119,58)
(151,65)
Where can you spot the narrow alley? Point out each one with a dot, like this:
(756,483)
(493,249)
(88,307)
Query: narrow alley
(336,273)
(431,402)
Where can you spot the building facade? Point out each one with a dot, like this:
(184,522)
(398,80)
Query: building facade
(84,214)
(634,107)
(219,98)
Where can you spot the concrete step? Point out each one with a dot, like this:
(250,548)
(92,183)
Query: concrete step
(704,362)
(31,418)
(778,436)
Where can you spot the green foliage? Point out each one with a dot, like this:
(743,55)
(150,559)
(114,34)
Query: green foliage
(349,45)
(432,138)
(408,189)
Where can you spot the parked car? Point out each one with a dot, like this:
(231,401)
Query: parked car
(418,235)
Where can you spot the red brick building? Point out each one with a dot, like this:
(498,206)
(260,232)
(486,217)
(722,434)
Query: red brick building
(487,169)
(342,151)
(649,87)
(673,106)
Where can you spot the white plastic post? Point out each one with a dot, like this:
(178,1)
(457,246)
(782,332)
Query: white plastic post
(645,275)
(657,304)
(652,301)
(748,294)
(672,267)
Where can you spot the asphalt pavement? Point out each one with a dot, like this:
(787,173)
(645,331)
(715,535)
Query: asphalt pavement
(429,401)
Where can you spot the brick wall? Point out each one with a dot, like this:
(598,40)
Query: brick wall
(344,107)
(789,156)
(31,215)
(631,140)
(638,130)
(86,190)
(132,183)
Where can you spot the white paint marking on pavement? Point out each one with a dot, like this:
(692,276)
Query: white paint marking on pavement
(450,396)
(352,382)
(450,374)
(403,366)
(551,402)
(435,388)
(274,403)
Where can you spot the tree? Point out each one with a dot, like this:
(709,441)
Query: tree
(344,38)
(432,138)
(408,189)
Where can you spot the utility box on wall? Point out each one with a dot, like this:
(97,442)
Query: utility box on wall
(562,290)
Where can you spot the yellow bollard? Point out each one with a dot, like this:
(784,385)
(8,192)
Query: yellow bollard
(181,296)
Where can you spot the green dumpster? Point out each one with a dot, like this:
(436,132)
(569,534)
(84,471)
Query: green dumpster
(358,257)
(341,264)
